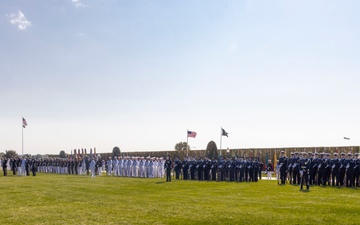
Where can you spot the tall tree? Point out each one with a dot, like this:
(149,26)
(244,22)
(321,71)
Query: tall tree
(62,154)
(10,154)
(211,150)
(116,151)
(181,146)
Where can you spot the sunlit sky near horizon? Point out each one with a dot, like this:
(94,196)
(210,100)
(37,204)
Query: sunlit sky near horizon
(139,74)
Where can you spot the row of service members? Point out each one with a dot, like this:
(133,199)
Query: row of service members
(20,166)
(231,169)
(321,169)
(149,167)
(119,166)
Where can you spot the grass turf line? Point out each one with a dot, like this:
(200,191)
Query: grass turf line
(69,199)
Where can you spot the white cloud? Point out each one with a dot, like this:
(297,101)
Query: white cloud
(78,3)
(20,20)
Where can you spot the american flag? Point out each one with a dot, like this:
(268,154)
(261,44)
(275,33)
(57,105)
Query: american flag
(191,134)
(24,123)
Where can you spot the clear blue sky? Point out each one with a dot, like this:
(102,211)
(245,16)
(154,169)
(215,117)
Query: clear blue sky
(138,74)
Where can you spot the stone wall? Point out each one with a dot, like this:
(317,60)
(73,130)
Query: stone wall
(261,153)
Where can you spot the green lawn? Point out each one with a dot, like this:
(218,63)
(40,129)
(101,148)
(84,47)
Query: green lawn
(68,199)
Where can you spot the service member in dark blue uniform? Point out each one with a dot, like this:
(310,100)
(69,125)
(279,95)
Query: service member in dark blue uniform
(282,167)
(167,167)
(185,166)
(177,168)
(214,168)
(350,171)
(357,170)
(4,166)
(335,171)
(342,168)
(304,168)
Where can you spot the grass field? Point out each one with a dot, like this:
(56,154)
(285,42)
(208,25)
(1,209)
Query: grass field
(68,199)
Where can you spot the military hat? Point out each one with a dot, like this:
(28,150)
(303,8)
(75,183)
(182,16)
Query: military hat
(316,153)
(335,154)
(296,153)
(327,154)
(291,153)
(310,153)
(282,151)
(343,153)
(322,153)
(349,154)
(356,154)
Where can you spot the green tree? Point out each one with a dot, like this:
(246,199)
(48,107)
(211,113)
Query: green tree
(211,150)
(116,151)
(62,154)
(10,154)
(181,146)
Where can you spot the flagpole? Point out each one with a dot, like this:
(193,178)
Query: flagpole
(220,139)
(22,136)
(187,143)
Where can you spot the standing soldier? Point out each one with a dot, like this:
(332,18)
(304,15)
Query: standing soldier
(356,170)
(261,166)
(327,169)
(167,166)
(290,167)
(177,168)
(214,168)
(109,167)
(335,170)
(207,167)
(221,167)
(185,166)
(296,172)
(304,168)
(241,170)
(4,166)
(232,170)
(87,165)
(314,169)
(321,170)
(269,170)
(256,170)
(350,171)
(92,167)
(192,167)
(342,168)
(34,165)
(282,167)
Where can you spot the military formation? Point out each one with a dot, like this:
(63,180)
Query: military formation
(118,166)
(21,166)
(303,169)
(320,169)
(233,169)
